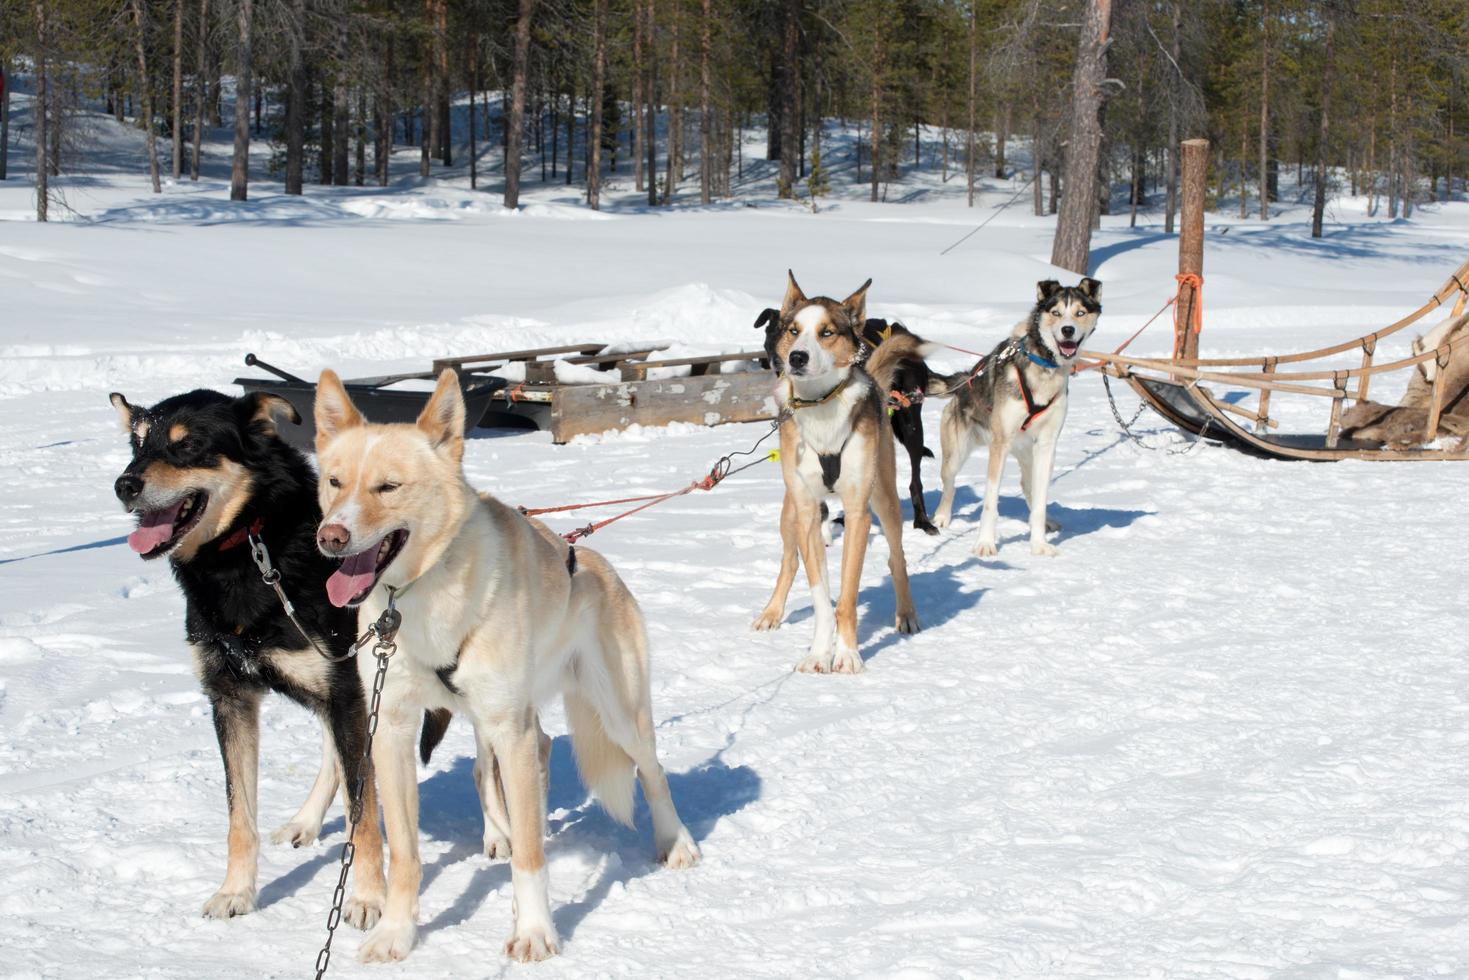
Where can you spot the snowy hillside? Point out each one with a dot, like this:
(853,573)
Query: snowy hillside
(1224,734)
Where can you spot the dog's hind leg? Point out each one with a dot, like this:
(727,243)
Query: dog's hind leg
(305,826)
(774,611)
(990,516)
(890,518)
(1025,456)
(491,797)
(237,726)
(956,443)
(914,444)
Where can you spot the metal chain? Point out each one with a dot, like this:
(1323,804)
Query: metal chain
(271,576)
(385,629)
(1127,426)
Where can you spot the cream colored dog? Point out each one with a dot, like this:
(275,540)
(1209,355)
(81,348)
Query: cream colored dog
(498,614)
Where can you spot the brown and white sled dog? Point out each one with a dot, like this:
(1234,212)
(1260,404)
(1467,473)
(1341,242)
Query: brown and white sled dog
(836,442)
(1014,401)
(498,613)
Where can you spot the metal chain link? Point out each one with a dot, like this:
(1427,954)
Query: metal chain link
(271,576)
(385,629)
(1127,426)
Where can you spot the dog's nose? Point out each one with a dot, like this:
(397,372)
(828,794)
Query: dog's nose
(798,359)
(333,537)
(1068,331)
(128,487)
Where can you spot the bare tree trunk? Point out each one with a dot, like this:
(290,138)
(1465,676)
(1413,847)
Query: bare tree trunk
(876,107)
(443,128)
(706,161)
(1072,246)
(516,123)
(201,87)
(1244,157)
(1172,151)
(1002,136)
(650,119)
(790,111)
(328,142)
(674,149)
(570,134)
(178,89)
(973,96)
(1264,110)
(473,135)
(637,94)
(42,112)
(296,103)
(599,83)
(5,76)
(384,101)
(359,170)
(140,43)
(240,166)
(341,130)
(1318,208)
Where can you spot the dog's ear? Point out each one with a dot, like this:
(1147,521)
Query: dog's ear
(793,298)
(856,306)
(442,419)
(767,318)
(268,410)
(124,410)
(1091,289)
(1046,288)
(334,411)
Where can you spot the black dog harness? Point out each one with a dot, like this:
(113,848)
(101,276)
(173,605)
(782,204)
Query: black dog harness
(1032,410)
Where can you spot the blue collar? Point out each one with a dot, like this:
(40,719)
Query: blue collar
(1036,358)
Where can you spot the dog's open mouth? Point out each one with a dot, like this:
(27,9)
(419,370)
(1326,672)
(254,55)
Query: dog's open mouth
(351,583)
(159,530)
(1068,348)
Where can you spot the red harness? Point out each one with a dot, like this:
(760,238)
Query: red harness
(1032,410)
(242,535)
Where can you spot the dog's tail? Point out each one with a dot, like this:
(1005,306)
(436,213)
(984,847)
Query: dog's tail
(944,385)
(605,768)
(435,724)
(887,356)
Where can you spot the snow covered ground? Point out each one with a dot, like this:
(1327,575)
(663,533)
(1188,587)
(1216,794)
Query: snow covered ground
(1224,734)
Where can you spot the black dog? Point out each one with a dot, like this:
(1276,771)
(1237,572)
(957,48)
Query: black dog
(905,401)
(209,478)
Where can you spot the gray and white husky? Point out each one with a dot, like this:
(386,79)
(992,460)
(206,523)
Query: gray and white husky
(1014,401)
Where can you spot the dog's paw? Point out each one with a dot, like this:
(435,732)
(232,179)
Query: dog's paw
(1044,548)
(362,913)
(943,518)
(388,943)
(815,663)
(986,549)
(907,622)
(532,944)
(296,833)
(681,852)
(226,904)
(846,662)
(769,619)
(496,845)
(926,527)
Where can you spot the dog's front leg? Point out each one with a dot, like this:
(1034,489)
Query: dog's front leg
(1025,455)
(397,783)
(237,726)
(854,551)
(1043,457)
(774,612)
(305,826)
(349,732)
(990,516)
(517,744)
(813,555)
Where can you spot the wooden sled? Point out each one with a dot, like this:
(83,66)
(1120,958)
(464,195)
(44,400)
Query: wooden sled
(703,396)
(1179,391)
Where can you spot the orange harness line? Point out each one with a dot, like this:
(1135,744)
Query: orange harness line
(1195,281)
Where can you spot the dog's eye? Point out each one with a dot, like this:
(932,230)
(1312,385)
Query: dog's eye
(794,331)
(1058,312)
(333,482)
(828,332)
(388,487)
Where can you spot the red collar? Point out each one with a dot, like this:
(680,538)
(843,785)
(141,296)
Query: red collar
(242,535)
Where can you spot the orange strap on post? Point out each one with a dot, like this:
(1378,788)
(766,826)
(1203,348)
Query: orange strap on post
(1196,281)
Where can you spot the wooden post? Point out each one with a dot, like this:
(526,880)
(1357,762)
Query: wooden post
(1191,243)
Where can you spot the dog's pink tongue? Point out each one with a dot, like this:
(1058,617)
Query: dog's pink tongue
(353,578)
(155,528)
